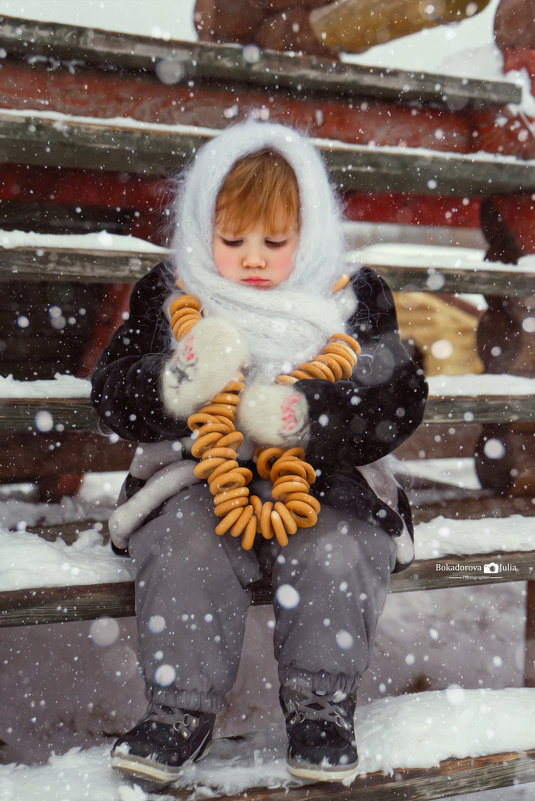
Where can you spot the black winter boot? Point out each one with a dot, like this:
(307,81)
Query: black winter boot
(159,746)
(321,734)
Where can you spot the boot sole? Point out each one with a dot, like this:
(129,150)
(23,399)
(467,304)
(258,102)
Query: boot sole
(145,769)
(324,773)
(148,770)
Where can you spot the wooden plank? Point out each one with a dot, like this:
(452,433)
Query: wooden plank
(382,169)
(75,264)
(66,414)
(95,266)
(76,414)
(450,777)
(141,96)
(481,409)
(224,64)
(465,570)
(416,267)
(61,604)
(30,138)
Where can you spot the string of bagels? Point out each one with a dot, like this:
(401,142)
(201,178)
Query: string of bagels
(216,442)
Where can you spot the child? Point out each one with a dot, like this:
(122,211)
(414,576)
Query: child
(258,240)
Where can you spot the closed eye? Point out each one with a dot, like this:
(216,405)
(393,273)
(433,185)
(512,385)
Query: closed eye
(232,243)
(275,244)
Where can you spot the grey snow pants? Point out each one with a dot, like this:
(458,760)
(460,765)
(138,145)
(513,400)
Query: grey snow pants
(193,590)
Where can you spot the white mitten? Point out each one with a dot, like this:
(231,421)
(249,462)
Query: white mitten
(274,415)
(204,361)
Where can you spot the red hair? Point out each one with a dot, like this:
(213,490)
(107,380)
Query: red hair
(260,187)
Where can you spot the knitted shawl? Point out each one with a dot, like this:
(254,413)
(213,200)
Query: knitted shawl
(292,322)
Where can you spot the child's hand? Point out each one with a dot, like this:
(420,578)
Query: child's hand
(204,361)
(273,415)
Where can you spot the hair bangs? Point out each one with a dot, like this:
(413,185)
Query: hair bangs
(260,187)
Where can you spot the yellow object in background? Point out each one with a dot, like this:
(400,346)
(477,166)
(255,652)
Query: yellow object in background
(353,26)
(444,334)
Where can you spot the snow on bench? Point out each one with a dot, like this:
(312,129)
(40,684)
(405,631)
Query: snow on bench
(437,268)
(62,403)
(47,582)
(406,266)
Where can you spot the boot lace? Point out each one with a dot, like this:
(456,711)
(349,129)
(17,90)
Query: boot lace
(184,723)
(306,705)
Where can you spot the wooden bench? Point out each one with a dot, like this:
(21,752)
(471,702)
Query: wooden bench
(379,133)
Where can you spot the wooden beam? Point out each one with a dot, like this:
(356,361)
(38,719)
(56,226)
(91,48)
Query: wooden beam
(31,138)
(434,271)
(481,409)
(66,414)
(62,604)
(77,414)
(75,264)
(415,267)
(226,64)
(87,602)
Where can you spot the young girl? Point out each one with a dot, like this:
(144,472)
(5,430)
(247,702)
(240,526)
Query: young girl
(258,241)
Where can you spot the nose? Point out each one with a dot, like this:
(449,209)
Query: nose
(254,259)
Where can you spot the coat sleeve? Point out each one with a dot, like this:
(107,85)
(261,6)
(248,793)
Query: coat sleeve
(126,381)
(356,421)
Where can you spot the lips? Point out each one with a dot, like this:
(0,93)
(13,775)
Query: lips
(253,281)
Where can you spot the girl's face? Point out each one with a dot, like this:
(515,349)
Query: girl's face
(255,258)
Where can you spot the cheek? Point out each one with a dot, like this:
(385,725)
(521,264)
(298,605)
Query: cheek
(223,259)
(286,262)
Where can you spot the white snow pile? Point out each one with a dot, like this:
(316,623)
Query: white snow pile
(472,385)
(432,257)
(61,122)
(27,560)
(102,240)
(408,731)
(419,731)
(20,515)
(61,386)
(469,384)
(457,472)
(444,536)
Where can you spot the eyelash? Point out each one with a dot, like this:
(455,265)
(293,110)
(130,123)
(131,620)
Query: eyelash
(236,243)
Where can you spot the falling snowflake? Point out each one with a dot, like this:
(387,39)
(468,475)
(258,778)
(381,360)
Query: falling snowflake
(287,596)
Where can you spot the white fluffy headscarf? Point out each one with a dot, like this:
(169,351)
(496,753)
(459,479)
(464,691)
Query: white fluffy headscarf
(292,322)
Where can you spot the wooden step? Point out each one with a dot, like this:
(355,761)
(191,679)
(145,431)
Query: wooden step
(87,602)
(430,268)
(77,414)
(227,64)
(52,139)
(450,777)
(407,267)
